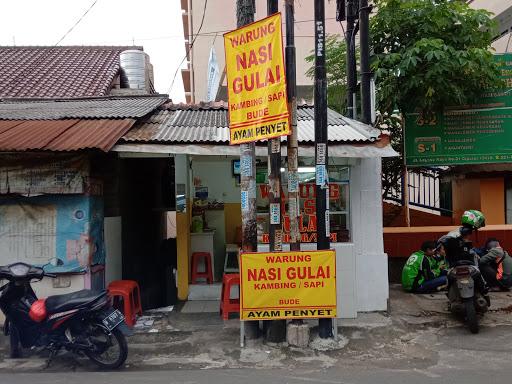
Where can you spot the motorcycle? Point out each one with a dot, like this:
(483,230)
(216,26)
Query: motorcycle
(81,322)
(465,297)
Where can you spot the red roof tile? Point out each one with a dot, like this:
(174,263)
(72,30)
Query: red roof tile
(52,72)
(62,135)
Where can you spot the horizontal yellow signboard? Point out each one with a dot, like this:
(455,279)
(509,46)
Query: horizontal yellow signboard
(258,107)
(288,285)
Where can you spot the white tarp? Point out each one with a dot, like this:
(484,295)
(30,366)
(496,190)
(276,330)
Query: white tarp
(213,76)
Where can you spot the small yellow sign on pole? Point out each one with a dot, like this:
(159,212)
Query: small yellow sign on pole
(288,285)
(258,107)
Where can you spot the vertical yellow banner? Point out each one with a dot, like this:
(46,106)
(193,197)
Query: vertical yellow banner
(258,106)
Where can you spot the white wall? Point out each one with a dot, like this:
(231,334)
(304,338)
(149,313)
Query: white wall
(215,173)
(367,233)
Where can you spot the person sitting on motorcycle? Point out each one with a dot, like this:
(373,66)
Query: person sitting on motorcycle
(496,266)
(458,247)
(458,244)
(423,272)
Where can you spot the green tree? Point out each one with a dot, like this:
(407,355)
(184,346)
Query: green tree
(426,54)
(429,54)
(336,68)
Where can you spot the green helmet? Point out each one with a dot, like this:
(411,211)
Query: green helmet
(473,218)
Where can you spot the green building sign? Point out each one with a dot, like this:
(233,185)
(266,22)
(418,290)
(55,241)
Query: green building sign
(478,134)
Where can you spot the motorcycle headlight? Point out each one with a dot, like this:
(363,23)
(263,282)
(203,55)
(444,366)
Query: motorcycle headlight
(19,269)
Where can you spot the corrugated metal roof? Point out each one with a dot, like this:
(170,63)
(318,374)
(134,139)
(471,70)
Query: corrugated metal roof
(50,72)
(195,124)
(92,108)
(62,135)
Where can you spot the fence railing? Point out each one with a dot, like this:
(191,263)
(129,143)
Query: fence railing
(425,191)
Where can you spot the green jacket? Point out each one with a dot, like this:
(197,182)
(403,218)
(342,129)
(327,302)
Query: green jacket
(419,268)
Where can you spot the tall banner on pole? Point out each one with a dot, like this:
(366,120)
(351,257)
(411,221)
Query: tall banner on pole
(258,106)
(213,76)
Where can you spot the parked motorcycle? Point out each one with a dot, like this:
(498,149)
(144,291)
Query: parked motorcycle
(466,298)
(82,322)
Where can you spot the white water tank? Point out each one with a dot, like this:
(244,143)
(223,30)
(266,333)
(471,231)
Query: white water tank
(133,69)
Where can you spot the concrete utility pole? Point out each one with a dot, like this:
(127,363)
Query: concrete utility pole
(321,153)
(366,75)
(351,14)
(245,10)
(276,330)
(293,143)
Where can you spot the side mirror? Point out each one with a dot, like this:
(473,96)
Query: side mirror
(56,262)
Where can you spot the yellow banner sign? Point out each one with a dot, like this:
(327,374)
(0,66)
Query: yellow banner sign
(258,107)
(288,285)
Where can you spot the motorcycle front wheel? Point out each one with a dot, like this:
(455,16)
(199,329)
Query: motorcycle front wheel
(471,316)
(110,350)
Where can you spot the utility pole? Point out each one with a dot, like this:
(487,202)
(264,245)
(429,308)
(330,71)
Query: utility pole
(352,14)
(321,153)
(366,75)
(292,142)
(245,10)
(276,330)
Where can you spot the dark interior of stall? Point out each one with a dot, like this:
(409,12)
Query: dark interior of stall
(147,192)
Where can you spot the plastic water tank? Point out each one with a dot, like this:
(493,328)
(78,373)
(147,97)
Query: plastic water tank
(133,69)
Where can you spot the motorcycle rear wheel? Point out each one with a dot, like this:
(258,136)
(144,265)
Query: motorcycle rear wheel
(471,316)
(104,343)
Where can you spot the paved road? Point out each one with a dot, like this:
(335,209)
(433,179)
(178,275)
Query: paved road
(249,376)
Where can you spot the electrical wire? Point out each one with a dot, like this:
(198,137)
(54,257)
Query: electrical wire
(189,48)
(77,22)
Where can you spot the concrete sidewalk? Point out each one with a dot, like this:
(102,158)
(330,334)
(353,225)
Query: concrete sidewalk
(417,330)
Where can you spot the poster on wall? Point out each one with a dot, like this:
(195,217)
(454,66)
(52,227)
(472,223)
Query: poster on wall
(37,174)
(475,134)
(37,229)
(288,285)
(27,233)
(258,106)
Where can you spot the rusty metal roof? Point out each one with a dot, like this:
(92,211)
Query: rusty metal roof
(208,122)
(61,135)
(90,108)
(50,72)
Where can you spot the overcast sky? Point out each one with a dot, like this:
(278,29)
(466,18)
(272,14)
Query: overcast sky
(154,24)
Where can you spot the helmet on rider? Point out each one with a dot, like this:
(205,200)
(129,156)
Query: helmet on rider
(471,220)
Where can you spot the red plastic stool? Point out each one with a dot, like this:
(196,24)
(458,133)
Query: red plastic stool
(207,273)
(133,286)
(227,304)
(129,294)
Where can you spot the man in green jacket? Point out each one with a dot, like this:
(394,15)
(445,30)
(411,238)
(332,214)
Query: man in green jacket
(424,272)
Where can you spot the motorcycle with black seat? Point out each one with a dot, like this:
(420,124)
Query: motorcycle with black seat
(81,322)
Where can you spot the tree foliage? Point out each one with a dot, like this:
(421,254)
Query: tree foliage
(336,68)
(428,54)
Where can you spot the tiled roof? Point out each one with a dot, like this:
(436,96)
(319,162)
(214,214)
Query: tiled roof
(94,108)
(51,72)
(207,123)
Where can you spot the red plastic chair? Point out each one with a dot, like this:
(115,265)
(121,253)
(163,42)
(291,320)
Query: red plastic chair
(227,304)
(207,273)
(128,291)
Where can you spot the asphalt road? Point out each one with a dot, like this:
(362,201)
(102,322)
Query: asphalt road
(250,376)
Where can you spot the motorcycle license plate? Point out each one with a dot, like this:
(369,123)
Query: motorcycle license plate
(113,319)
(464,281)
